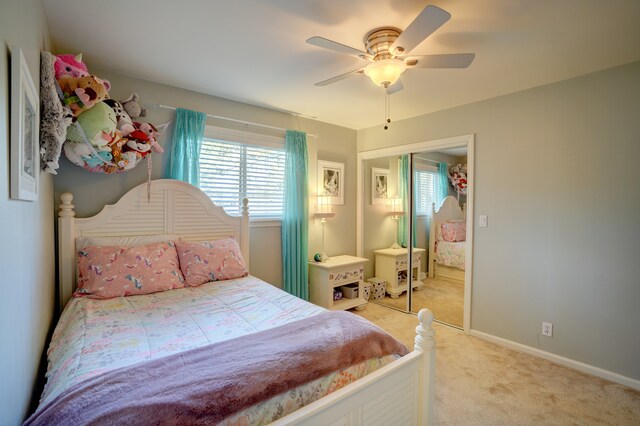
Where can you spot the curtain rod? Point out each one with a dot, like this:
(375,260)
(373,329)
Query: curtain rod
(235,120)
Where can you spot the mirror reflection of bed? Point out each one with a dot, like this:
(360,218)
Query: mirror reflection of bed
(440,240)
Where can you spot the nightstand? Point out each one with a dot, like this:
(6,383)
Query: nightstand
(336,272)
(391,266)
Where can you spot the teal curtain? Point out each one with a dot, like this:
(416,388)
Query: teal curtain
(295,216)
(442,185)
(188,131)
(403,190)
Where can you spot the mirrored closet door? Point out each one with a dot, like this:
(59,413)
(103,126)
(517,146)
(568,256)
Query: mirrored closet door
(437,214)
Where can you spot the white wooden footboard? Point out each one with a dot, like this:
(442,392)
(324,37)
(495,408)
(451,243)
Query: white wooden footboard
(401,393)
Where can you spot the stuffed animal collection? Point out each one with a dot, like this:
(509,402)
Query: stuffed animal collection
(458,178)
(103,137)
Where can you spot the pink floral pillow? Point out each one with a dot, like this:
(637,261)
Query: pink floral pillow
(112,271)
(454,231)
(210,261)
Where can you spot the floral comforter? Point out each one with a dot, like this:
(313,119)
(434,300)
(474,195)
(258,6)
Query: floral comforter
(95,336)
(450,254)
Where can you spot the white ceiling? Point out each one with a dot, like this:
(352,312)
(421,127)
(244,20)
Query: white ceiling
(255,52)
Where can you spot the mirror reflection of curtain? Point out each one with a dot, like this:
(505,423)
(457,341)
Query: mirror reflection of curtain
(442,188)
(403,190)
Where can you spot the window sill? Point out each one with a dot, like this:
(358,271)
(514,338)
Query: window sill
(265,223)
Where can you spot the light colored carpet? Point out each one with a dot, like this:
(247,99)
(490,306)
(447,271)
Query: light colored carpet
(479,383)
(443,296)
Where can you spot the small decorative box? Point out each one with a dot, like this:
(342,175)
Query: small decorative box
(337,294)
(378,288)
(366,291)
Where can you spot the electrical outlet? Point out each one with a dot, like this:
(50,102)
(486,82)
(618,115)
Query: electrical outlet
(547,329)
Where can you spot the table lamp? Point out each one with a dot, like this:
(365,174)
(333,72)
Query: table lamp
(323,211)
(396,209)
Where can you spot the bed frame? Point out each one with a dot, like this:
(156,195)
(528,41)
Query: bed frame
(400,393)
(449,210)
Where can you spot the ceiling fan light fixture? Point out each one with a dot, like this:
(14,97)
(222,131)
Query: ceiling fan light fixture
(385,72)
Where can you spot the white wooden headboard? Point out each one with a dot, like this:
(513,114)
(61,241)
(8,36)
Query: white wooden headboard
(175,207)
(450,210)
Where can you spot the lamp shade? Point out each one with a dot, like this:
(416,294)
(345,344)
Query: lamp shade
(324,206)
(396,207)
(385,72)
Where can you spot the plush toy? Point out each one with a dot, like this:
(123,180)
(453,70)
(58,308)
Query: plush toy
(69,66)
(98,124)
(153,134)
(122,118)
(132,107)
(81,93)
(77,152)
(139,146)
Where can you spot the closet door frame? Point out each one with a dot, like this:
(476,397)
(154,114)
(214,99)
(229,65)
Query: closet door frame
(467,141)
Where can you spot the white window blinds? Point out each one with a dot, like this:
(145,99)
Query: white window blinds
(425,190)
(231,171)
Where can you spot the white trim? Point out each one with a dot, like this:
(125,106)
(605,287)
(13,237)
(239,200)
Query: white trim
(558,359)
(432,145)
(240,136)
(265,223)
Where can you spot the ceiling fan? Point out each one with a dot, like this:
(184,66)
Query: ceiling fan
(388,50)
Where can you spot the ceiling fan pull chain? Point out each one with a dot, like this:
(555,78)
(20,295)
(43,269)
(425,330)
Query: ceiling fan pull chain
(387,110)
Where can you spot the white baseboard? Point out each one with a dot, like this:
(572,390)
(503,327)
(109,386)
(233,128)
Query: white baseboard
(576,365)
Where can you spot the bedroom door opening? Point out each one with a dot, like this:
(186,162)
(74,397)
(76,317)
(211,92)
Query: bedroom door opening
(440,277)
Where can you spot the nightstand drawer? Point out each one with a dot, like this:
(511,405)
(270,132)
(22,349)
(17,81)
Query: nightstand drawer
(346,276)
(402,262)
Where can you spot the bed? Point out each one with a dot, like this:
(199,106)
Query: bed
(447,246)
(99,343)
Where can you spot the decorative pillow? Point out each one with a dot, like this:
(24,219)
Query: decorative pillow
(112,271)
(453,231)
(210,261)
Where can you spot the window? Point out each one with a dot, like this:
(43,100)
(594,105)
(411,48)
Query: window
(235,165)
(425,181)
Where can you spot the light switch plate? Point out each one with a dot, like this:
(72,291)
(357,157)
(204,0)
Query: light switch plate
(483,220)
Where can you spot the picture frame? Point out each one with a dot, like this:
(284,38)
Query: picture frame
(379,185)
(25,130)
(331,181)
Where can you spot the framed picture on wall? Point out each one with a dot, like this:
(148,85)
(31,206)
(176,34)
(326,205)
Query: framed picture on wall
(379,185)
(25,119)
(331,180)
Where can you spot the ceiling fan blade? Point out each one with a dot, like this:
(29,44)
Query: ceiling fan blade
(339,77)
(430,19)
(395,87)
(456,60)
(338,47)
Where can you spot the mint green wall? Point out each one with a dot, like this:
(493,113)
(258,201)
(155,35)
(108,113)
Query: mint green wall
(27,254)
(556,171)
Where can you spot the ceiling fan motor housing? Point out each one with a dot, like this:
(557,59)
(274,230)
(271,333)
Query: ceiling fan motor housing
(378,42)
